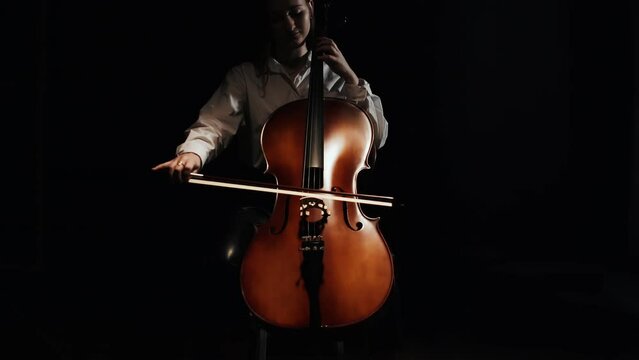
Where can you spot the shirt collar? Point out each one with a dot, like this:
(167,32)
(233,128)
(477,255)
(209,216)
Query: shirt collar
(276,67)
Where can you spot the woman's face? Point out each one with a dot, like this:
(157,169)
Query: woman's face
(290,22)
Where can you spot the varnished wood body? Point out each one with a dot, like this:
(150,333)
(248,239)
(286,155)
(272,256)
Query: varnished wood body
(358,268)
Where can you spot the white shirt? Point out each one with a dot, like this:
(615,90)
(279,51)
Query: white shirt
(243,100)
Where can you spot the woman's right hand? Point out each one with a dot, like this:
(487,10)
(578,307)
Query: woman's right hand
(181,167)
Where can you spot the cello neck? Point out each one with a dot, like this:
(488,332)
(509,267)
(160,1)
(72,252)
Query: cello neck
(314,137)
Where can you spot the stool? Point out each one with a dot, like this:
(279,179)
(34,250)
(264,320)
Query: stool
(261,344)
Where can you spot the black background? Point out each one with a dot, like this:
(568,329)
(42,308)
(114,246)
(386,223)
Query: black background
(512,146)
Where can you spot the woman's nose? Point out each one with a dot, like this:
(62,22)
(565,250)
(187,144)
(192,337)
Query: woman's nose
(289,23)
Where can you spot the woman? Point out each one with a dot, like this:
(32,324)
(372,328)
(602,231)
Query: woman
(251,91)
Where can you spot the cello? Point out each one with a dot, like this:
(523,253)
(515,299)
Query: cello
(318,261)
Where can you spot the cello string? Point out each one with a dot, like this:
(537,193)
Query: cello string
(312,123)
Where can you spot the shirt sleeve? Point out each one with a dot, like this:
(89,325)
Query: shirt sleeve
(362,95)
(218,120)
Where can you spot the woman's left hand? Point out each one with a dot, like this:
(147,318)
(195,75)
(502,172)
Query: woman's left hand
(328,52)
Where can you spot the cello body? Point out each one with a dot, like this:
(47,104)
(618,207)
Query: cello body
(356,263)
